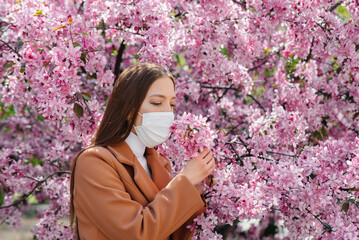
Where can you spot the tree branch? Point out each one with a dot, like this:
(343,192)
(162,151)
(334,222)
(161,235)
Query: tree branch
(36,186)
(220,87)
(310,51)
(282,154)
(349,189)
(238,158)
(12,49)
(119,60)
(225,92)
(327,227)
(259,104)
(332,8)
(242,3)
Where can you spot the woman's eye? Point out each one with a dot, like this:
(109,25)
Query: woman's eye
(156,104)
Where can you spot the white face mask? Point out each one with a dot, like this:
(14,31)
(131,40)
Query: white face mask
(155,128)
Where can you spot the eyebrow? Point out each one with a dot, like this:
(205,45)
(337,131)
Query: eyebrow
(160,95)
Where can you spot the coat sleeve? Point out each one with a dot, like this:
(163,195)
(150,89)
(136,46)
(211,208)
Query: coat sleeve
(183,232)
(100,194)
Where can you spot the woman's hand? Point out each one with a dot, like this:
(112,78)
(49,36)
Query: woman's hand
(197,169)
(200,188)
(209,181)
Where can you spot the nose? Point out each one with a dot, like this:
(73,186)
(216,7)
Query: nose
(168,108)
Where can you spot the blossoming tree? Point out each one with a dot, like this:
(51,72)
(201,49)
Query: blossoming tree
(277,82)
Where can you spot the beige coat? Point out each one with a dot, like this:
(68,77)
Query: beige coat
(114,197)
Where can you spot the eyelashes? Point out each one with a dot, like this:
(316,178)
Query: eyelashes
(158,104)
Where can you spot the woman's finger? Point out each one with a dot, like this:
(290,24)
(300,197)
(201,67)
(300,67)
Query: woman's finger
(210,160)
(208,152)
(209,155)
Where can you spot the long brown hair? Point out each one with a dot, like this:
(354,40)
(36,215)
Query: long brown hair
(123,105)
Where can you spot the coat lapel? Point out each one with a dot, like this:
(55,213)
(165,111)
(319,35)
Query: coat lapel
(143,181)
(161,177)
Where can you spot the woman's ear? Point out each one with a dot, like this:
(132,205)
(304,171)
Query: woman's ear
(131,115)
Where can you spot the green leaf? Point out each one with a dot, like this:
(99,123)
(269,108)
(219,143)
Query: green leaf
(223,112)
(76,44)
(32,199)
(102,26)
(291,64)
(51,68)
(38,13)
(186,98)
(345,207)
(324,131)
(312,175)
(268,72)
(86,96)
(40,118)
(83,57)
(326,225)
(181,61)
(87,107)
(6,112)
(22,70)
(34,161)
(343,12)
(224,52)
(78,110)
(8,65)
(317,135)
(2,196)
(20,45)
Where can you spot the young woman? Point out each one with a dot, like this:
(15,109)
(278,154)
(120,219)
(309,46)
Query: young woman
(120,187)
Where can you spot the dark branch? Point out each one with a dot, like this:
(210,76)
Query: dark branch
(36,186)
(225,92)
(243,143)
(282,154)
(264,59)
(12,49)
(349,189)
(332,8)
(242,3)
(220,87)
(310,51)
(119,60)
(238,158)
(259,104)
(327,227)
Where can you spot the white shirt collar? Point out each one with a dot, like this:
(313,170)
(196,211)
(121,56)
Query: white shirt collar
(137,147)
